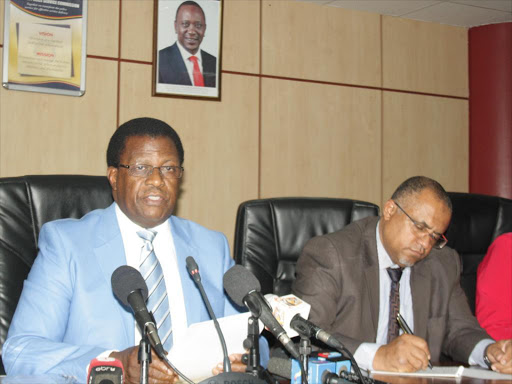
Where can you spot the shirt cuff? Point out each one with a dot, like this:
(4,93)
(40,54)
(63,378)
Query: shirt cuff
(365,354)
(477,354)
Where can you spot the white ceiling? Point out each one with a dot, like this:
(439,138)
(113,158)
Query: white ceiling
(465,13)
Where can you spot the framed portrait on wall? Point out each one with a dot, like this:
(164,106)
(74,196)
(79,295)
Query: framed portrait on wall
(187,48)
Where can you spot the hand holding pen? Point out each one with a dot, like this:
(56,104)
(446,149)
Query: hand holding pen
(403,325)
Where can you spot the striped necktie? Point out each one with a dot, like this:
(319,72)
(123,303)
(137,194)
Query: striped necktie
(394,302)
(152,273)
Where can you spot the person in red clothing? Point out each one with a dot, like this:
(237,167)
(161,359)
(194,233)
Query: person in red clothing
(494,289)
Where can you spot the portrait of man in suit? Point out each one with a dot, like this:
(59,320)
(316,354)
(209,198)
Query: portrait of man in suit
(184,62)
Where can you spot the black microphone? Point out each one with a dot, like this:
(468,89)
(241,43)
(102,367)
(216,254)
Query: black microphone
(331,378)
(193,269)
(308,329)
(130,289)
(244,289)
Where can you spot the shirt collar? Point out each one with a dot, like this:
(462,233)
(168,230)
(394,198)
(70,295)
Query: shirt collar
(128,226)
(384,259)
(186,54)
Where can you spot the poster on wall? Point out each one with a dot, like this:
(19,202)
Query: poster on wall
(187,48)
(45,46)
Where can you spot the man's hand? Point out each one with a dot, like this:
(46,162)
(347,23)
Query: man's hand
(407,353)
(159,372)
(236,364)
(500,356)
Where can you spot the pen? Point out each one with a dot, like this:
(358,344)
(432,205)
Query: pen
(406,329)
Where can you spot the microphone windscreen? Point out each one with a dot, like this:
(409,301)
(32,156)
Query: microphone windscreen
(126,280)
(280,366)
(238,282)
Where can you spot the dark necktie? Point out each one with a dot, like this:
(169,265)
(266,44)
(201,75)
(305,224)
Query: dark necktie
(158,302)
(394,302)
(198,76)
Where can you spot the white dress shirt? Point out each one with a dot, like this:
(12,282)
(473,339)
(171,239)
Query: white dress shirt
(186,55)
(163,244)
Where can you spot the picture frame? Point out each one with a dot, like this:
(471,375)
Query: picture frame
(187,46)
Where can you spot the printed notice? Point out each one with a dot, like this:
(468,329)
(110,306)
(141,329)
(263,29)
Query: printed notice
(44,50)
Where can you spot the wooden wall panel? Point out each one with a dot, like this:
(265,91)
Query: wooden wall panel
(103,28)
(220,141)
(320,140)
(309,41)
(424,135)
(137,32)
(44,134)
(424,57)
(240,46)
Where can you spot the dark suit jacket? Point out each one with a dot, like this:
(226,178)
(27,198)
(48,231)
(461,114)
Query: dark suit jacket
(172,70)
(338,274)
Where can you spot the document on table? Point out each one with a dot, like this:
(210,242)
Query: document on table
(197,352)
(474,372)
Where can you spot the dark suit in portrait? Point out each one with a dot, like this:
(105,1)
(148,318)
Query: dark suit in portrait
(172,69)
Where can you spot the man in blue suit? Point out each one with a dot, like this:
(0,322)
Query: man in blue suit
(67,313)
(184,63)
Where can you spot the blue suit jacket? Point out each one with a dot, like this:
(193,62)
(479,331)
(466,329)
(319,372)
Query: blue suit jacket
(67,313)
(172,70)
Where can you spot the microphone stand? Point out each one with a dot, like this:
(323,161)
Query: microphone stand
(304,352)
(252,344)
(144,358)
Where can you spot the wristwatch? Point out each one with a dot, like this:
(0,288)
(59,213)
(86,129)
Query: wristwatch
(486,359)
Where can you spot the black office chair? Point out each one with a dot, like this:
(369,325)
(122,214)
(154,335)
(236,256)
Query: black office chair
(270,233)
(476,221)
(26,203)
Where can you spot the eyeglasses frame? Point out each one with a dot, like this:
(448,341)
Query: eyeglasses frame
(153,169)
(417,224)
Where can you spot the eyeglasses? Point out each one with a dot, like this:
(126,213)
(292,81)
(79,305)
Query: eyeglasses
(143,170)
(421,229)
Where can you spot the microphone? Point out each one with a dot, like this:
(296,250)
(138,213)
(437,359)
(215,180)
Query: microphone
(307,328)
(130,289)
(193,270)
(244,289)
(285,307)
(332,378)
(105,371)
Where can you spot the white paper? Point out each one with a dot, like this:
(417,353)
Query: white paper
(199,350)
(460,371)
(434,372)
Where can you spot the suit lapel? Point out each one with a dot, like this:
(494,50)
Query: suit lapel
(420,291)
(371,271)
(109,253)
(183,244)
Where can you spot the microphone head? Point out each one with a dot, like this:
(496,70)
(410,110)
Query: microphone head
(191,264)
(126,280)
(238,282)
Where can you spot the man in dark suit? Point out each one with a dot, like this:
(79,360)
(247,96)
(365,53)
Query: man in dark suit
(344,276)
(184,63)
